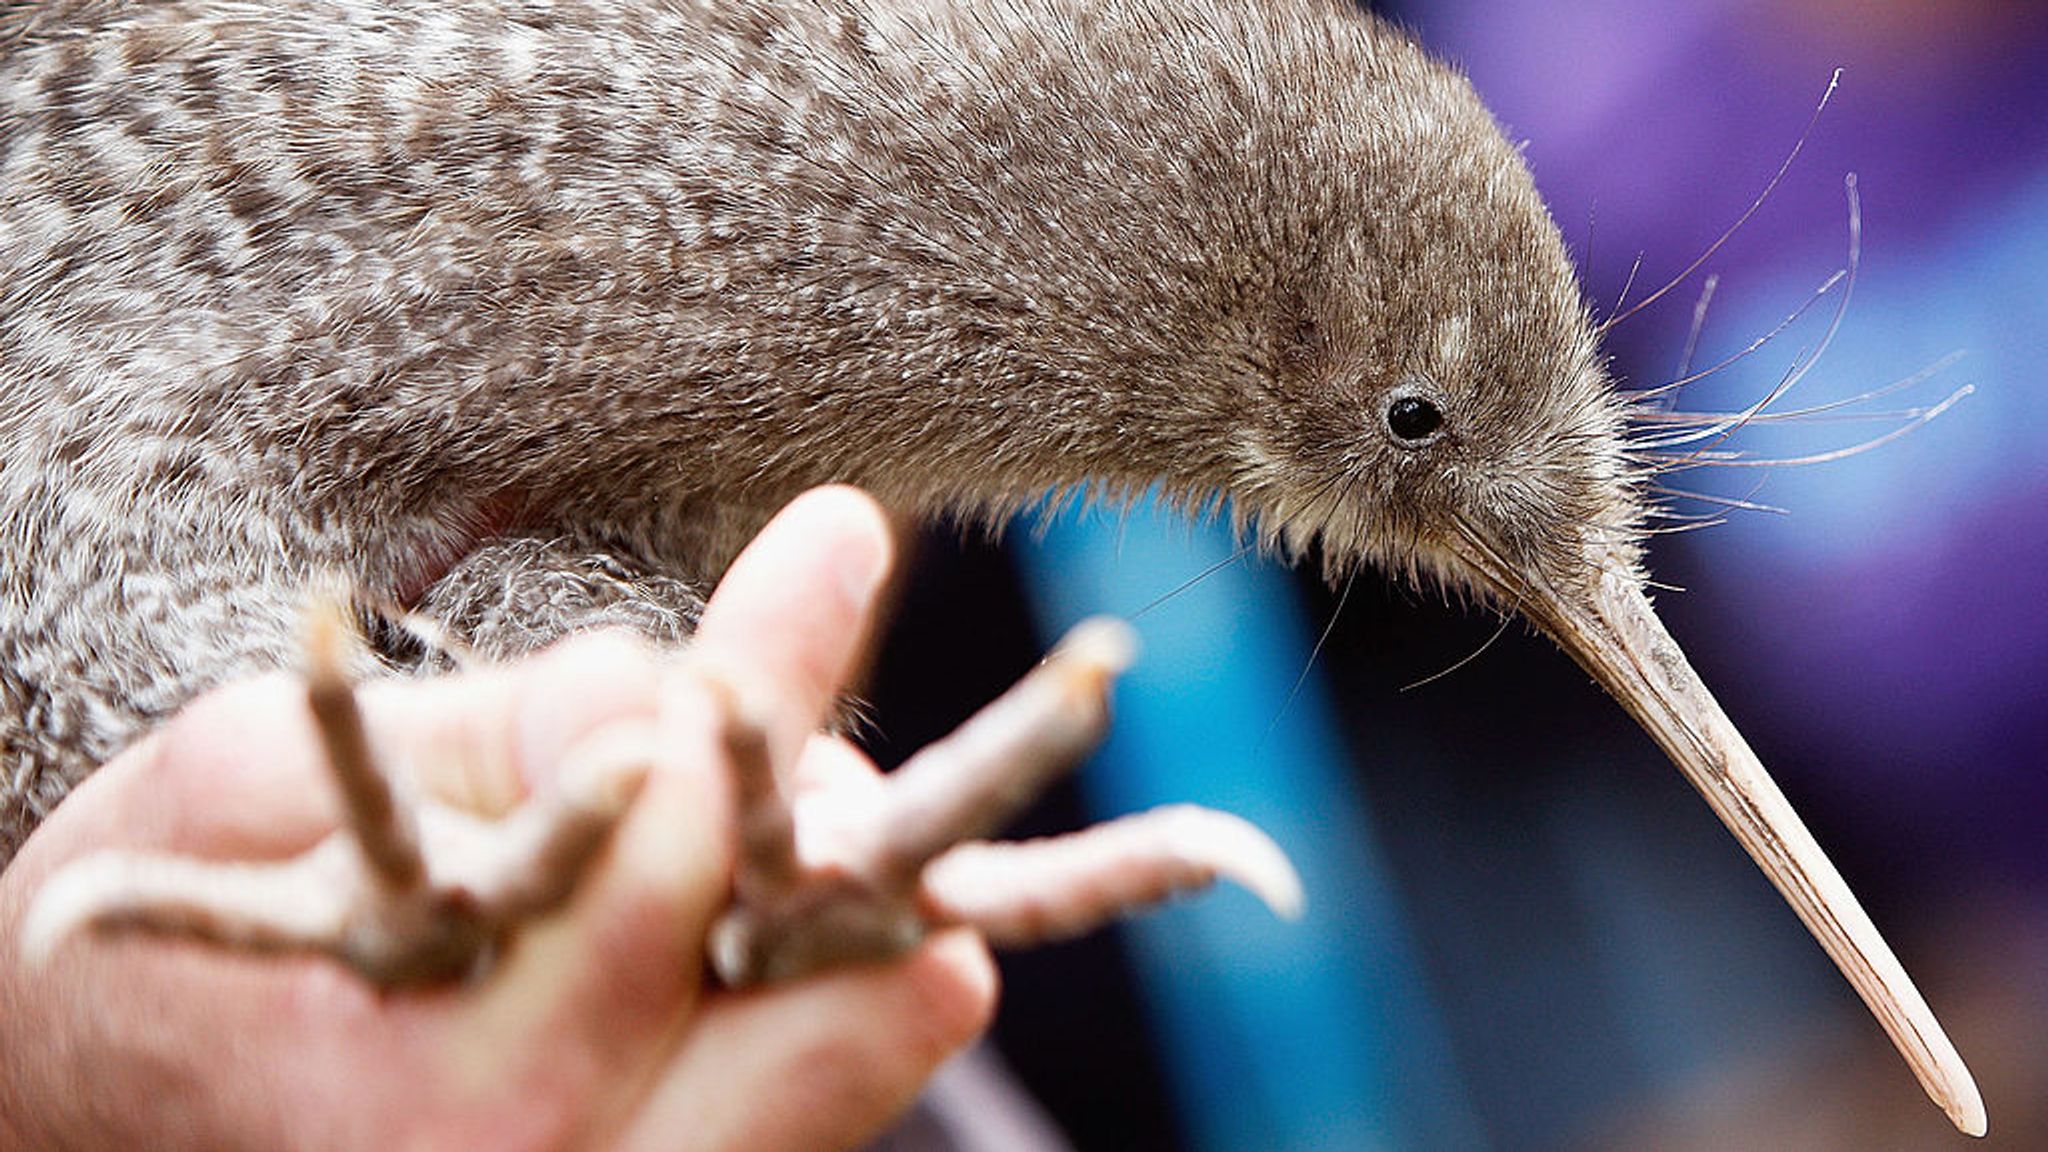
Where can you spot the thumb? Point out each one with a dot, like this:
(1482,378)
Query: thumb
(825,1062)
(616,974)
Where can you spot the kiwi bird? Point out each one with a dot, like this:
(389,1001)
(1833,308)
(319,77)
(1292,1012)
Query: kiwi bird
(523,316)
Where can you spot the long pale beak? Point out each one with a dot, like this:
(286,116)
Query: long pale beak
(1619,639)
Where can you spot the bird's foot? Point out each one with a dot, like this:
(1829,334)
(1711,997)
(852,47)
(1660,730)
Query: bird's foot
(848,874)
(411,891)
(406,891)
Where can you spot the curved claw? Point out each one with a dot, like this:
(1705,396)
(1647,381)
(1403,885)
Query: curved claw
(1040,891)
(917,872)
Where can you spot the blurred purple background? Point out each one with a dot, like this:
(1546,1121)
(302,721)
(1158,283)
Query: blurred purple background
(1603,966)
(1900,601)
(1885,643)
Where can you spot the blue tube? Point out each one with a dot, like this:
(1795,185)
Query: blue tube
(1314,1035)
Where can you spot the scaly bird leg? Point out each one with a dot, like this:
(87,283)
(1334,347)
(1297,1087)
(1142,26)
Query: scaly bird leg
(409,891)
(404,892)
(855,896)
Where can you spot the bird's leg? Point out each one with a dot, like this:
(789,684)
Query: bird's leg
(820,883)
(408,890)
(405,891)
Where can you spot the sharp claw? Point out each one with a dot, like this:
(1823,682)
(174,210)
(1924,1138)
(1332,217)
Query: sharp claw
(1040,891)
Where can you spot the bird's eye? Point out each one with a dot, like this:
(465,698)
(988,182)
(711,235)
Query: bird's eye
(1413,419)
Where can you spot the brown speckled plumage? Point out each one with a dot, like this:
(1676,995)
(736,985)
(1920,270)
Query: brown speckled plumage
(527,314)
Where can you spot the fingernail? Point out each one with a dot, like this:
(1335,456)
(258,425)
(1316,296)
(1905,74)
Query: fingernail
(859,565)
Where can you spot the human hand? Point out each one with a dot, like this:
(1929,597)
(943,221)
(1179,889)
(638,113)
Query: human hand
(596,1028)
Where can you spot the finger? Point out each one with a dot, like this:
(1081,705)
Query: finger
(830,762)
(792,613)
(240,772)
(616,974)
(822,1063)
(484,740)
(839,804)
(583,1004)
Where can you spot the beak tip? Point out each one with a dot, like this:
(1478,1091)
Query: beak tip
(1966,1110)
(1620,640)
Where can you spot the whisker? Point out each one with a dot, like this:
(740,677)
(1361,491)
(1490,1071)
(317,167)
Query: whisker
(1833,455)
(1242,552)
(1666,513)
(1343,598)
(1749,349)
(1693,462)
(1512,585)
(1817,413)
(1803,363)
(1802,416)
(1754,205)
(1732,502)
(1475,654)
(1691,524)
(1592,220)
(1320,501)
(1671,522)
(1276,535)
(1627,283)
(1699,324)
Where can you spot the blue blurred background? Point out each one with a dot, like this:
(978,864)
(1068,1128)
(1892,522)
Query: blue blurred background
(1525,931)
